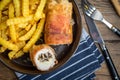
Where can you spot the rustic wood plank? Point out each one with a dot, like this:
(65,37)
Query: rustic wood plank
(114,49)
(6,74)
(102,73)
(112,41)
(109,14)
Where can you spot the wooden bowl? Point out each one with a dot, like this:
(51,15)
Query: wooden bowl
(64,52)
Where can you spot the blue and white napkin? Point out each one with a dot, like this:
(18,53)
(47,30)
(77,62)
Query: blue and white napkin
(81,66)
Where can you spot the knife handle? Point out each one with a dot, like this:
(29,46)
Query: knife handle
(111,67)
(116,30)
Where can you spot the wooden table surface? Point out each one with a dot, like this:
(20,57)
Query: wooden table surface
(112,41)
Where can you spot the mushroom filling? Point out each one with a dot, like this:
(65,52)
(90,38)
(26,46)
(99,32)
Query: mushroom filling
(44,57)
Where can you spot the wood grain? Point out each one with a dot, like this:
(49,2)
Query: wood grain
(112,41)
(6,74)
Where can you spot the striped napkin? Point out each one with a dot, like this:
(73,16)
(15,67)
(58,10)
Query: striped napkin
(81,66)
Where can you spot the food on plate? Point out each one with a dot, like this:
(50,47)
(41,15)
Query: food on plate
(43,57)
(21,21)
(39,11)
(11,11)
(17,53)
(29,33)
(25,7)
(3,3)
(17,7)
(13,34)
(0,16)
(24,22)
(58,29)
(36,35)
(8,44)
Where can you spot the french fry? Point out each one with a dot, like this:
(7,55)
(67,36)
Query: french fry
(5,13)
(15,54)
(3,34)
(21,33)
(33,2)
(25,7)
(13,34)
(11,54)
(18,54)
(3,25)
(11,11)
(0,16)
(3,3)
(5,8)
(33,5)
(27,28)
(19,26)
(22,25)
(0,33)
(8,44)
(4,18)
(28,35)
(43,15)
(2,49)
(38,13)
(17,7)
(18,29)
(19,20)
(7,33)
(20,44)
(35,36)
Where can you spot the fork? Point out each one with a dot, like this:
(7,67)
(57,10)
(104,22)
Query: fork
(95,14)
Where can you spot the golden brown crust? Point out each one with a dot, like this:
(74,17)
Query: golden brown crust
(58,29)
(37,48)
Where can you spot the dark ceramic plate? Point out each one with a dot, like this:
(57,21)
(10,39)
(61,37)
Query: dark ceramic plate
(64,52)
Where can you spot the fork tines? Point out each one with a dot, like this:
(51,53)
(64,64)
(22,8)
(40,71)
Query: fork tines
(88,8)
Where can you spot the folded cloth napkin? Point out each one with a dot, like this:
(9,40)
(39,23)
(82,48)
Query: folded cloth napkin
(81,66)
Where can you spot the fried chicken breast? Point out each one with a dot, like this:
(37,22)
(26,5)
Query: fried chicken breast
(43,57)
(58,29)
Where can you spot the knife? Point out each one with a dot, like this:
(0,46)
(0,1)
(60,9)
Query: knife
(96,36)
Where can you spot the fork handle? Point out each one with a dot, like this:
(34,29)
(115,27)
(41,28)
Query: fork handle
(108,59)
(116,30)
(111,27)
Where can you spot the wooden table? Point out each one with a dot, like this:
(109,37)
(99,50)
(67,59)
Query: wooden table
(112,41)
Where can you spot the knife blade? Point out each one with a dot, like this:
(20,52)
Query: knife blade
(96,36)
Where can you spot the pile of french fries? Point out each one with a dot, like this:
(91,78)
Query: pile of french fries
(21,25)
